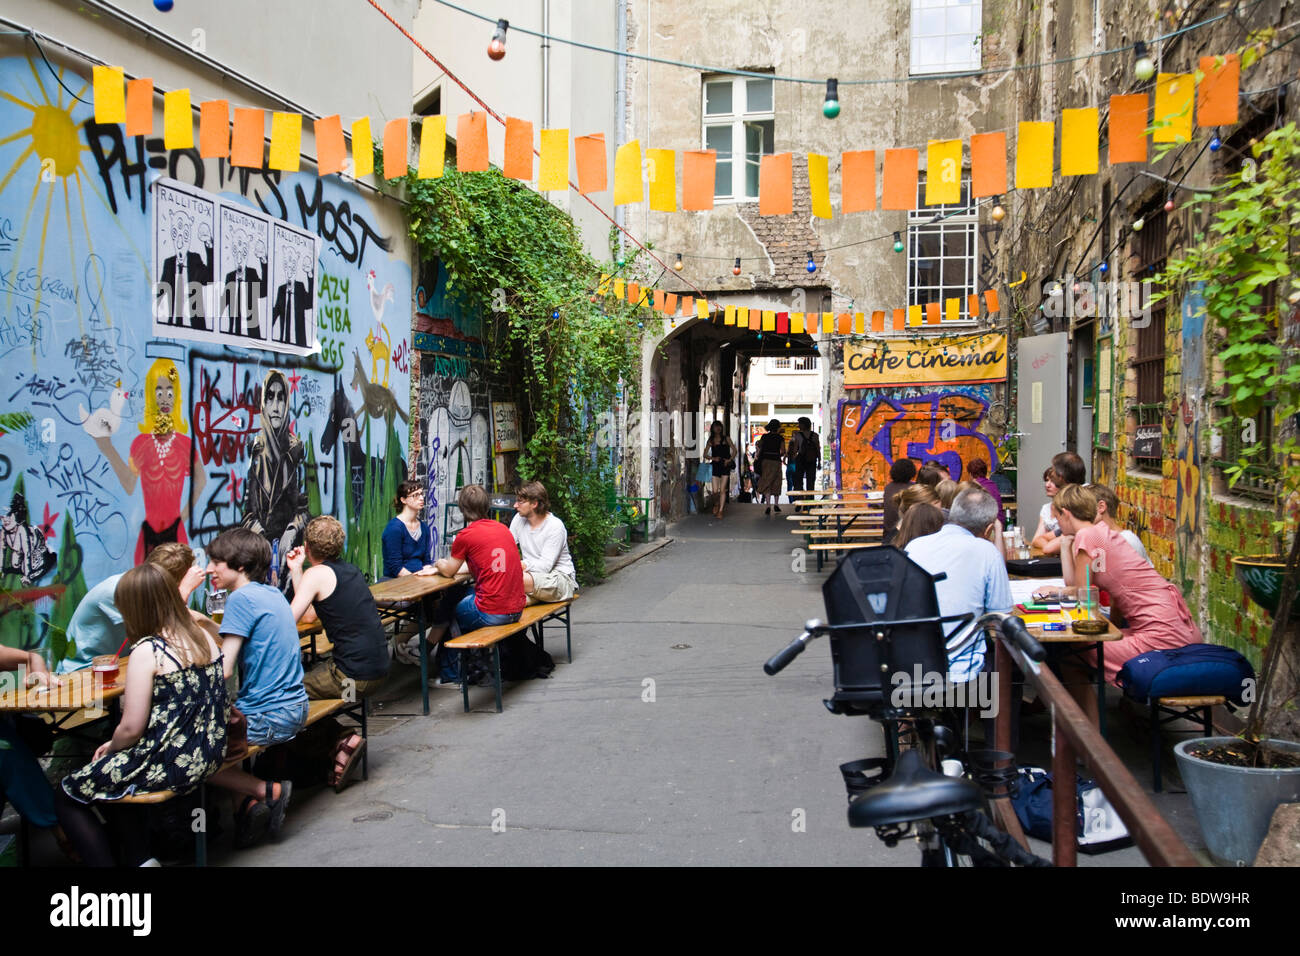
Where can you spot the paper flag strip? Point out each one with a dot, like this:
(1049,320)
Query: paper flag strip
(699,166)
(178,120)
(828,323)
(1173,120)
(952,309)
(860,323)
(589,152)
(661,300)
(1128,124)
(628,187)
(363,148)
(796,323)
(913,315)
(433,147)
(248,138)
(878,320)
(819,185)
(702,308)
(603,287)
(858,181)
(973,304)
(214,129)
(472,143)
(1034,147)
(943,172)
(1079,142)
(554,167)
(783,323)
(769,320)
(688,305)
(1216,96)
(618,288)
(663,179)
(110,98)
(898,319)
(670,304)
(932,313)
(519,149)
(395,149)
(728,315)
(139,107)
(988,164)
(991,300)
(634,293)
(844,323)
(900,179)
(286,141)
(755,318)
(776,185)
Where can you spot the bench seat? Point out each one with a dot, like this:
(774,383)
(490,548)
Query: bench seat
(533,617)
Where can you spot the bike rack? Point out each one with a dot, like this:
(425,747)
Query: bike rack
(1073,734)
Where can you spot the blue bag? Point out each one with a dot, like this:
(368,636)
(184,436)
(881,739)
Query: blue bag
(1195,670)
(1097,826)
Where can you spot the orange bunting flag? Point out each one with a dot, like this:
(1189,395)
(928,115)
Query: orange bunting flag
(899,315)
(661,299)
(900,178)
(628,187)
(988,164)
(769,320)
(248,138)
(688,305)
(755,318)
(973,305)
(991,300)
(472,143)
(819,185)
(110,101)
(670,304)
(943,172)
(728,315)
(663,179)
(1035,144)
(214,129)
(844,323)
(178,120)
(1128,128)
(796,323)
(858,181)
(783,323)
(331,150)
(589,152)
(433,148)
(1173,122)
(139,107)
(395,149)
(286,142)
(1080,142)
(1217,94)
(952,310)
(878,320)
(932,313)
(634,293)
(776,185)
(699,168)
(554,171)
(519,149)
(913,315)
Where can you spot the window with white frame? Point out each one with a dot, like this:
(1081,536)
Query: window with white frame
(740,125)
(941,251)
(945,36)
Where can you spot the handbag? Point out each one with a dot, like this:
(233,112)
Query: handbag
(1098,828)
(236,735)
(705,472)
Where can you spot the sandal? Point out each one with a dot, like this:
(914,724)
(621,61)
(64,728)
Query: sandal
(248,815)
(341,776)
(277,808)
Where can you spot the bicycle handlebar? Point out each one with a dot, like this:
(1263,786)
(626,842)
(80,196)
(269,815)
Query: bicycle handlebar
(788,653)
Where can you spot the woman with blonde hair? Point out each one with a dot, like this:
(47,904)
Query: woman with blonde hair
(172,734)
(947,490)
(915,495)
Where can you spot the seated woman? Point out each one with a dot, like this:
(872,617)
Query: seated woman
(921,519)
(1154,609)
(1108,511)
(172,735)
(1047,537)
(406,539)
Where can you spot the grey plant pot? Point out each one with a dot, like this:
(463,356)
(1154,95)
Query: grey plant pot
(1235,804)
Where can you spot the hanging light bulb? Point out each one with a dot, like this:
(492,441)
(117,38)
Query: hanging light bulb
(1104,268)
(898,243)
(1248,171)
(811,266)
(640,325)
(555,313)
(1138,223)
(760,335)
(735,270)
(787,343)
(831,106)
(1143,66)
(998,213)
(1169,204)
(1216,144)
(678,264)
(1075,288)
(497,48)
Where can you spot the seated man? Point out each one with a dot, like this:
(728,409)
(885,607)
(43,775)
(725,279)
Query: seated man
(260,635)
(335,593)
(977,575)
(489,550)
(544,545)
(22,782)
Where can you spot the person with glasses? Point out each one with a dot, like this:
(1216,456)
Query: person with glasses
(406,539)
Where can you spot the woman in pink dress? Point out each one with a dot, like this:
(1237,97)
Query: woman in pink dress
(1155,615)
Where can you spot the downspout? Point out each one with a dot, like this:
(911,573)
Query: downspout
(546,64)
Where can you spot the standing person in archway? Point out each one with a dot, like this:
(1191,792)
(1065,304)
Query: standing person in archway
(722,453)
(771,449)
(808,458)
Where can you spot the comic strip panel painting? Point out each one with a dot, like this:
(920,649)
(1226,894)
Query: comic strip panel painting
(184,230)
(245,285)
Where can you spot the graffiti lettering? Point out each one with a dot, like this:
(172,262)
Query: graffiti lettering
(81,489)
(334,224)
(939,425)
(109,148)
(223,418)
(402,357)
(28,283)
(25,327)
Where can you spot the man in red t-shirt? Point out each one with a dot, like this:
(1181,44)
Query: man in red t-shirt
(493,557)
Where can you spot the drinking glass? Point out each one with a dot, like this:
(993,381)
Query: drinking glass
(216,605)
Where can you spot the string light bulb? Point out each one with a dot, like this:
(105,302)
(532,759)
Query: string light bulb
(497,48)
(1138,223)
(831,105)
(898,243)
(1103,268)
(163,6)
(735,270)
(1169,204)
(678,264)
(1216,144)
(1143,66)
(787,343)
(811,266)
(998,213)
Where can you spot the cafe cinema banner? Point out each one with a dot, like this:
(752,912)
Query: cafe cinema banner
(963,360)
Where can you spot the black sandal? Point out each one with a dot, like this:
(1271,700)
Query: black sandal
(248,815)
(277,808)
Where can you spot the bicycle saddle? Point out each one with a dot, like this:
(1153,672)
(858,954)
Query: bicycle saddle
(913,792)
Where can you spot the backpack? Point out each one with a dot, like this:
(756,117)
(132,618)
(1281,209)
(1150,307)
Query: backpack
(1098,828)
(811,452)
(1197,669)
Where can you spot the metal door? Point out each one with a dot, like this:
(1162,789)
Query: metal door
(1041,411)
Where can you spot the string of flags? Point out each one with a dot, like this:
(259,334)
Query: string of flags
(1211,93)
(795,323)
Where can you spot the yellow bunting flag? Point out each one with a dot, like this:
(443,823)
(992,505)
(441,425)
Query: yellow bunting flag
(628,187)
(619,288)
(702,308)
(769,320)
(1173,121)
(139,107)
(286,141)
(943,172)
(728,315)
(1034,146)
(828,323)
(878,320)
(952,309)
(663,180)
(110,95)
(248,138)
(913,315)
(776,185)
(603,287)
(519,149)
(819,185)
(1217,93)
(554,168)
(214,129)
(363,148)
(433,149)
(796,323)
(178,120)
(1080,143)
(860,323)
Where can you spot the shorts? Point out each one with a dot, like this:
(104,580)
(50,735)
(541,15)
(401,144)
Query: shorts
(328,682)
(277,725)
(551,586)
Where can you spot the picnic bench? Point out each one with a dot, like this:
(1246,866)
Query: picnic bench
(534,617)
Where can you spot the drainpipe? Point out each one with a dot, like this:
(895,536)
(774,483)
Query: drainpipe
(546,65)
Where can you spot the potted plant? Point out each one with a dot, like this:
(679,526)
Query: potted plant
(1241,266)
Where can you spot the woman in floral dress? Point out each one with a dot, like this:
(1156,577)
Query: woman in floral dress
(172,734)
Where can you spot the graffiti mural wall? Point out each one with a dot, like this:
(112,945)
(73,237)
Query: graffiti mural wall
(113,439)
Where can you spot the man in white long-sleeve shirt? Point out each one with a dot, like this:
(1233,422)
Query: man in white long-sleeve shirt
(544,547)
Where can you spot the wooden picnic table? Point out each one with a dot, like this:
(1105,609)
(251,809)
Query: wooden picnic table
(403,599)
(77,690)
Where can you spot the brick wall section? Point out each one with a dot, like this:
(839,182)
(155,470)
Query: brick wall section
(1234,620)
(786,239)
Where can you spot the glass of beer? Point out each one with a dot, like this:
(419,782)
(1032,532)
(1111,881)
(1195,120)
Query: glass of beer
(216,605)
(105,667)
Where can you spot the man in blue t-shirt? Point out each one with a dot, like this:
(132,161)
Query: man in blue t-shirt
(259,632)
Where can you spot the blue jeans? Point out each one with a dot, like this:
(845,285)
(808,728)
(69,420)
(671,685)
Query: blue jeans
(21,781)
(278,725)
(469,618)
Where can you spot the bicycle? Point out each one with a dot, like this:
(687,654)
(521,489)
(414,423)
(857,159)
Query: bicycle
(921,790)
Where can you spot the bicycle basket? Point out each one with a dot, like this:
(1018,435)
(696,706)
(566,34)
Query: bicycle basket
(881,584)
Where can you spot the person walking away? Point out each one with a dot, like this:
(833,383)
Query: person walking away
(771,449)
(809,456)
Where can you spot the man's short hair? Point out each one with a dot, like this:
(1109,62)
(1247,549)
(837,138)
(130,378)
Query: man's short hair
(1105,495)
(1078,501)
(535,492)
(902,470)
(242,550)
(324,538)
(974,510)
(473,501)
(1070,467)
(173,558)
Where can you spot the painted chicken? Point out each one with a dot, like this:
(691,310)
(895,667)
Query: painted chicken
(104,422)
(378,298)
